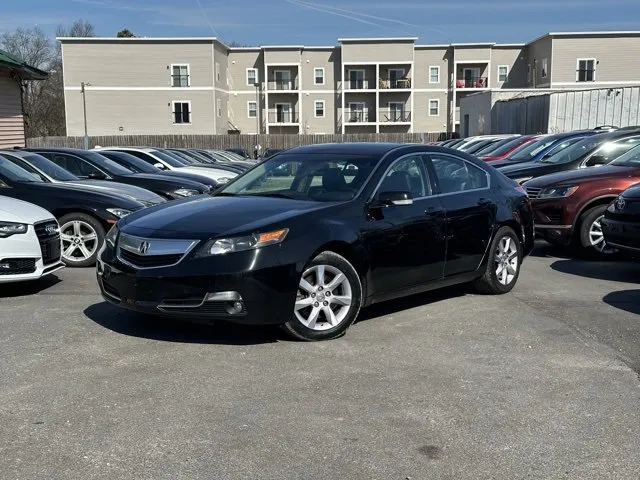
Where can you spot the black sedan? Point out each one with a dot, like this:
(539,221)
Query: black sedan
(354,225)
(92,165)
(621,222)
(84,214)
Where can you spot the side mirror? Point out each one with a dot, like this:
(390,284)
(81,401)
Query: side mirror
(394,198)
(596,161)
(159,165)
(96,176)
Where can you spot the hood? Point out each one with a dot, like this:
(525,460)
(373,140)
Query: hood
(170,181)
(207,217)
(12,210)
(632,192)
(80,193)
(213,173)
(179,175)
(136,193)
(583,175)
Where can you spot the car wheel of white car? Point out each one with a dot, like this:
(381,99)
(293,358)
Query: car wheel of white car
(82,235)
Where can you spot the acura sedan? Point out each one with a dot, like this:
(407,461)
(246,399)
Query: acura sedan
(351,225)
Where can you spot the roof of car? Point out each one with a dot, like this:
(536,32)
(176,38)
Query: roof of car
(360,148)
(56,149)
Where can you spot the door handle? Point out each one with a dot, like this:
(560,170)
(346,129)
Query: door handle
(432,210)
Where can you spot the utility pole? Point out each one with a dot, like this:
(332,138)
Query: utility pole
(84,110)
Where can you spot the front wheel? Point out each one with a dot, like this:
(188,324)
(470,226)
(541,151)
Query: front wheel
(503,266)
(328,299)
(82,236)
(591,236)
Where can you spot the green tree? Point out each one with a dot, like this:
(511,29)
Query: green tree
(125,33)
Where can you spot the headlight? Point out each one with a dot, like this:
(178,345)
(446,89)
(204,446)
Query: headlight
(9,228)
(186,192)
(112,236)
(523,179)
(223,180)
(118,212)
(222,246)
(557,192)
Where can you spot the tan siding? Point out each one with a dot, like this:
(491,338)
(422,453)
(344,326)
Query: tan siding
(11,121)
(536,53)
(377,52)
(318,125)
(222,122)
(239,62)
(238,114)
(479,54)
(422,122)
(424,59)
(138,112)
(222,59)
(514,58)
(139,64)
(618,59)
(327,59)
(281,56)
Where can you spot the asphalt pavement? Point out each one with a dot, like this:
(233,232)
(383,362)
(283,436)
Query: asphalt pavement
(539,383)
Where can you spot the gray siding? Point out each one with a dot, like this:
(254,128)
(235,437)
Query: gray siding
(11,121)
(536,53)
(426,58)
(514,59)
(329,60)
(400,51)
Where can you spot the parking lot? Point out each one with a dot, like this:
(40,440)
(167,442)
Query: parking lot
(542,382)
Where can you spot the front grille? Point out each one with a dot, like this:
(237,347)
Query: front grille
(17,266)
(49,242)
(533,192)
(149,261)
(554,218)
(207,309)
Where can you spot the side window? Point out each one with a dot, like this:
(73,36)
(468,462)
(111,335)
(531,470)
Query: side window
(407,175)
(142,156)
(70,164)
(456,175)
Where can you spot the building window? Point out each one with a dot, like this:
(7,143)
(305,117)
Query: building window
(529,72)
(544,71)
(503,73)
(586,70)
(434,108)
(434,74)
(181,112)
(217,72)
(219,107)
(319,108)
(252,76)
(252,109)
(318,76)
(179,75)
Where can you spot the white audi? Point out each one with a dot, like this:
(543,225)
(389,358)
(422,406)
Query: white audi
(30,245)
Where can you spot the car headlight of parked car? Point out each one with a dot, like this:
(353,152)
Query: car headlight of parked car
(222,246)
(10,228)
(557,192)
(186,192)
(119,212)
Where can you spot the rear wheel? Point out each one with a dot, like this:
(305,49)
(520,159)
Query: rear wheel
(82,235)
(503,266)
(328,299)
(592,239)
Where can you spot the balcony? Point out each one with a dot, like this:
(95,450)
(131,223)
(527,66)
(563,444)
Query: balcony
(282,117)
(394,84)
(283,85)
(472,82)
(358,116)
(359,85)
(394,115)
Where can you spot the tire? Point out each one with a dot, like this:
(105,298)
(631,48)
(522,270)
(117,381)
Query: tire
(86,234)
(591,231)
(318,316)
(493,281)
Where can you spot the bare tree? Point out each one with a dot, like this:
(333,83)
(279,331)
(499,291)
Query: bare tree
(79,28)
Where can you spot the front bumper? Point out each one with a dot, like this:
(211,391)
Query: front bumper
(21,258)
(623,235)
(205,290)
(553,220)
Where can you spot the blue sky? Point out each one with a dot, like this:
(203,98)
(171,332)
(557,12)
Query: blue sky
(321,22)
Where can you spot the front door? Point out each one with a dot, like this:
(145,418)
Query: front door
(283,113)
(470,208)
(396,111)
(471,77)
(395,74)
(406,242)
(283,79)
(357,112)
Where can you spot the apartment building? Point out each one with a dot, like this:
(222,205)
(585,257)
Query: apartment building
(201,86)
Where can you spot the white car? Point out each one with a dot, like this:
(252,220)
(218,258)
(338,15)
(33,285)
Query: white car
(30,245)
(166,161)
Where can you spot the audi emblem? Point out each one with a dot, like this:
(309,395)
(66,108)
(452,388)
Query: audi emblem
(144,248)
(620,203)
(51,230)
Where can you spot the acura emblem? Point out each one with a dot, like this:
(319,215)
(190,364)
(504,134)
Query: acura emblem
(620,203)
(144,248)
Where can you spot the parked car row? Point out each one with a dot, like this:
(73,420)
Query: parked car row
(569,196)
(87,191)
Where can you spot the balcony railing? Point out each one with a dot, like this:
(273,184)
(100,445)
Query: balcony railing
(397,83)
(392,115)
(286,117)
(358,116)
(283,84)
(472,82)
(358,85)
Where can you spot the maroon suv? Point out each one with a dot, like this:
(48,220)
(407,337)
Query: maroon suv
(569,206)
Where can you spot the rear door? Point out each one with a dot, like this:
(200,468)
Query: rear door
(470,208)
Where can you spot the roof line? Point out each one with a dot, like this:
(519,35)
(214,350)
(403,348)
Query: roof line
(379,39)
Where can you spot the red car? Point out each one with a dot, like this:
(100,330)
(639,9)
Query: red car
(569,206)
(506,149)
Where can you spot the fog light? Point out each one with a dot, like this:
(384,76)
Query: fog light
(234,308)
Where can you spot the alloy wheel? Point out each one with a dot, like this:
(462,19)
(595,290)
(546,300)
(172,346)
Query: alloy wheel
(324,298)
(596,237)
(506,260)
(79,241)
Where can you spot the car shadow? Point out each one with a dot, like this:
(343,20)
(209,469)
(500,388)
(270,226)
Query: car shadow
(616,271)
(543,249)
(168,330)
(627,300)
(23,289)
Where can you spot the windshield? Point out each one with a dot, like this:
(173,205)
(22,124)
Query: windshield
(107,164)
(129,161)
(612,150)
(16,173)
(530,150)
(505,147)
(576,150)
(49,168)
(312,177)
(169,159)
(629,159)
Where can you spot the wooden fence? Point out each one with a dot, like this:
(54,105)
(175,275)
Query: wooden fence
(231,141)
